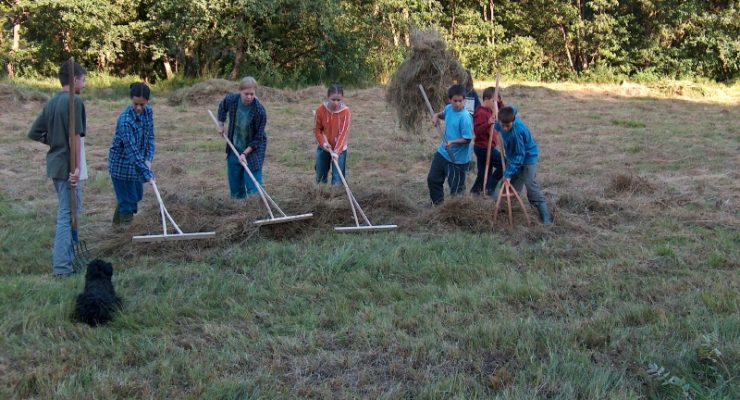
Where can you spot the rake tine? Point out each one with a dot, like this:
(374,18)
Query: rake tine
(81,256)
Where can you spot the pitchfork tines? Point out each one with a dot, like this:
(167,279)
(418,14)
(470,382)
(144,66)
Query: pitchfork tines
(81,254)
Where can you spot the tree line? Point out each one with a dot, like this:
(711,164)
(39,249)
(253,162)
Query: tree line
(290,42)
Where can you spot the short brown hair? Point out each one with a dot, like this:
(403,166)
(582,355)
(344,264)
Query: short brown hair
(506,115)
(64,77)
(488,93)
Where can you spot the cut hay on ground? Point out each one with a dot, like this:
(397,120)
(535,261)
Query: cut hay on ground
(430,65)
(233,220)
(213,90)
(10,94)
(629,184)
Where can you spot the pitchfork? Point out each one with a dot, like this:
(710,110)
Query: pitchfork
(81,255)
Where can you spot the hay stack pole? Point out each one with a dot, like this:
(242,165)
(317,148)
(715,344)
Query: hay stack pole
(491,133)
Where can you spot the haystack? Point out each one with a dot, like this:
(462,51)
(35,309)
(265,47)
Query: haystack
(432,65)
(213,91)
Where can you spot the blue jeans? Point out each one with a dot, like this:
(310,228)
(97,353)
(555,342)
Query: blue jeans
(240,184)
(63,253)
(128,195)
(323,162)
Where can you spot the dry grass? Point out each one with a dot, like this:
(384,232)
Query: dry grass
(213,90)
(596,173)
(11,95)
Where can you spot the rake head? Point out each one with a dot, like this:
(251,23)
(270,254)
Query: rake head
(81,256)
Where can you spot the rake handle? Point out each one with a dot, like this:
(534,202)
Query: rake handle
(163,211)
(431,113)
(490,134)
(352,201)
(72,146)
(260,189)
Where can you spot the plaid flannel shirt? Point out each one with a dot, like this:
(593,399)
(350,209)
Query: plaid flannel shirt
(133,145)
(229,105)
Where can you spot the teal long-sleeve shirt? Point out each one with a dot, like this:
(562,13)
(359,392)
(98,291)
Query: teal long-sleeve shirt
(520,146)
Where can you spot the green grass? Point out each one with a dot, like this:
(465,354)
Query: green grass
(102,86)
(325,315)
(628,123)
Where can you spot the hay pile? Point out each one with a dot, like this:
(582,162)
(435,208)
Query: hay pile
(430,65)
(233,219)
(9,94)
(213,91)
(208,92)
(629,184)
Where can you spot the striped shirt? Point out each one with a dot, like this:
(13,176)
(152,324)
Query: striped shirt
(133,145)
(229,106)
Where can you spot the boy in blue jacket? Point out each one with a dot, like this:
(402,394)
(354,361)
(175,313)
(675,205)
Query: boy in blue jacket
(521,159)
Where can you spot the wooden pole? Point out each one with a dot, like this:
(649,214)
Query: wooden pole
(431,113)
(490,133)
(73,145)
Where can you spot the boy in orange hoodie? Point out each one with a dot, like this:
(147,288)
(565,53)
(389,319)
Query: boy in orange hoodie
(331,129)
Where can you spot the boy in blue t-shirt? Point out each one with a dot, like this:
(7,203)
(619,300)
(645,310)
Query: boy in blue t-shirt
(521,153)
(453,155)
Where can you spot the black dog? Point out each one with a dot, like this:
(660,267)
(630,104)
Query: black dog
(98,303)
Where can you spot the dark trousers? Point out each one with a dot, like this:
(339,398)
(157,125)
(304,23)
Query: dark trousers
(440,170)
(527,177)
(495,171)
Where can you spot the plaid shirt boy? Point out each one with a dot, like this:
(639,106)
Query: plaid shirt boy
(229,105)
(133,146)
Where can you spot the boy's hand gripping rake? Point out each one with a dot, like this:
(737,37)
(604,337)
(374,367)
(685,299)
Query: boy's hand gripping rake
(439,130)
(356,208)
(81,255)
(170,236)
(266,199)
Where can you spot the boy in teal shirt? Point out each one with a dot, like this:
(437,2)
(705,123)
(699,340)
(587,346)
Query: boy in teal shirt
(453,155)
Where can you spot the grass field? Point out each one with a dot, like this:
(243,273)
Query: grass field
(634,293)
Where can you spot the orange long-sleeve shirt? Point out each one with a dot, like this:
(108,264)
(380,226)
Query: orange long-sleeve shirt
(332,127)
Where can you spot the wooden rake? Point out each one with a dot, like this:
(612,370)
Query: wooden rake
(266,199)
(356,208)
(431,114)
(490,135)
(507,190)
(170,236)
